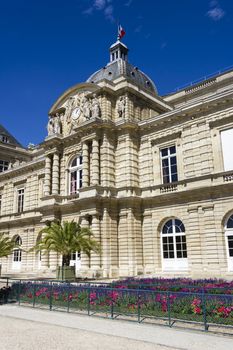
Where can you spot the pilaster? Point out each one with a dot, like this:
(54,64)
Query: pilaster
(95,162)
(47,182)
(96,258)
(55,172)
(85,154)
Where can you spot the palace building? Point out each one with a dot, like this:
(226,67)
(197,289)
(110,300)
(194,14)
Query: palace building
(152,176)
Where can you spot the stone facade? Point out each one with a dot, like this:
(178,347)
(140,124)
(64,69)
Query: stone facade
(146,173)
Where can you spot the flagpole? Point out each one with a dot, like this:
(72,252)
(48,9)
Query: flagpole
(118,34)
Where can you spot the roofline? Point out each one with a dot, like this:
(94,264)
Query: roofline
(201,80)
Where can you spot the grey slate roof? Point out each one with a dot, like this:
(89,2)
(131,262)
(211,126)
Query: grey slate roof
(121,67)
(12,140)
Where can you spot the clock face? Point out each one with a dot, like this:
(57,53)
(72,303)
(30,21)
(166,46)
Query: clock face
(76,113)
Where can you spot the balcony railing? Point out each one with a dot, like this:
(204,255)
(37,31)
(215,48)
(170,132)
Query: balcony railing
(228,177)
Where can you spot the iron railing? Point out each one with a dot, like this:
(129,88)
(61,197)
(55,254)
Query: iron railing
(199,309)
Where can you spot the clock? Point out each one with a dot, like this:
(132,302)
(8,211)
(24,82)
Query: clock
(76,113)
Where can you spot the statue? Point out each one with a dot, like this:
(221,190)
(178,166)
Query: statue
(120,106)
(57,125)
(95,109)
(16,163)
(50,127)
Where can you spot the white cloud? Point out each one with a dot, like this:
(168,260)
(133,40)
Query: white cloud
(128,3)
(88,11)
(216,13)
(108,11)
(101,5)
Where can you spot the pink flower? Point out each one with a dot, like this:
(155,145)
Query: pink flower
(196,302)
(92,296)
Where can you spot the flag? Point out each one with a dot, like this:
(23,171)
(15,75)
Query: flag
(121,32)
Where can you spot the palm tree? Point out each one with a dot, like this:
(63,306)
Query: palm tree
(6,245)
(65,239)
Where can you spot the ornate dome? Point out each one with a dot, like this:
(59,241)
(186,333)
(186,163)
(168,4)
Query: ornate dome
(119,66)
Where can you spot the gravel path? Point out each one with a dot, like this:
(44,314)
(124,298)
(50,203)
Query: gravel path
(30,335)
(26,328)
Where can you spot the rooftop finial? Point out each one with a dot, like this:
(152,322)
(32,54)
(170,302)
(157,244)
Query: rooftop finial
(121,32)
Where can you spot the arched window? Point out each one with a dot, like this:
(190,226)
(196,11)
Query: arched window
(173,244)
(17,253)
(75,175)
(229,242)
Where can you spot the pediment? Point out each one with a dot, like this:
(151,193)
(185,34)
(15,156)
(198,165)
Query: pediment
(72,93)
(76,106)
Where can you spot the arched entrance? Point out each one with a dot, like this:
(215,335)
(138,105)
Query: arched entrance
(173,246)
(229,242)
(17,254)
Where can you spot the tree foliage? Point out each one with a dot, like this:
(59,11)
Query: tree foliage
(6,245)
(66,238)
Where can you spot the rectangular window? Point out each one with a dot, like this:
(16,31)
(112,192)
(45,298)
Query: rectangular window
(75,181)
(20,200)
(169,164)
(3,165)
(17,255)
(227,145)
(230,245)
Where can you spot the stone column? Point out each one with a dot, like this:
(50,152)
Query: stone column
(85,164)
(95,228)
(85,260)
(104,161)
(95,162)
(47,182)
(105,244)
(55,176)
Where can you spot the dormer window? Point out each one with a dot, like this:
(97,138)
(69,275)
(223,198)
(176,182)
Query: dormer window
(4,138)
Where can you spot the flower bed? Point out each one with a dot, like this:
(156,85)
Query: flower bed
(209,301)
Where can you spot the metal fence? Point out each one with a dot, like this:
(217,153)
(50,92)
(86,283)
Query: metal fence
(195,309)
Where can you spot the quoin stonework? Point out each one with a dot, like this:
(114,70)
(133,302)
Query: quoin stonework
(152,176)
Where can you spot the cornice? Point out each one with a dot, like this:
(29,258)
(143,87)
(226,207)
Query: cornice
(21,169)
(224,120)
(189,108)
(168,137)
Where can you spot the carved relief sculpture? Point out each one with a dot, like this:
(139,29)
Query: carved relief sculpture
(86,107)
(79,109)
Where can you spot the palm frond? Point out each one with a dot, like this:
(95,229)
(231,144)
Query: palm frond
(65,238)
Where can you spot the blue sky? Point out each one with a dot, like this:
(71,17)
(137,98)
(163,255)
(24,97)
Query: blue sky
(47,46)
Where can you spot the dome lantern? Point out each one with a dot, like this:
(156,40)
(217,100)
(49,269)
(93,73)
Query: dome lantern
(118,51)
